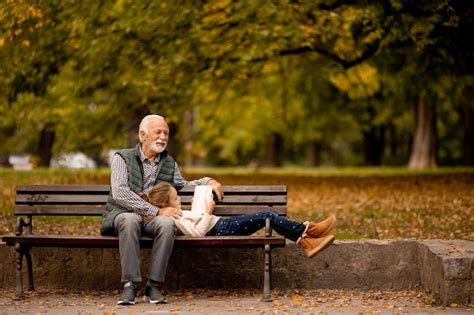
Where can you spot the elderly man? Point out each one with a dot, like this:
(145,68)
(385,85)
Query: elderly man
(133,171)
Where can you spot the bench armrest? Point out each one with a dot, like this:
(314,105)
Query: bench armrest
(20,224)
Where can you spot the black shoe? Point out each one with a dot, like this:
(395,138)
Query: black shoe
(153,294)
(128,294)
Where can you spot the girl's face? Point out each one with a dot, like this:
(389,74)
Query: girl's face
(175,200)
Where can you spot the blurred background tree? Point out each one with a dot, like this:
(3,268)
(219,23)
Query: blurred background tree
(242,82)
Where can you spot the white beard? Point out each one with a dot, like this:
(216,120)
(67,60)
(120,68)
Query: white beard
(158,147)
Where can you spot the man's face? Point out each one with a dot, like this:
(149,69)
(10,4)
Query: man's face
(156,137)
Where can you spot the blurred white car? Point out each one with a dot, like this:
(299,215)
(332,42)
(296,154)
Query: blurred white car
(20,162)
(72,160)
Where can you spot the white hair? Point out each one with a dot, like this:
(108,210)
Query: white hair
(144,123)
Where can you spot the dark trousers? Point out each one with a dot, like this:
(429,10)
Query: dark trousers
(251,223)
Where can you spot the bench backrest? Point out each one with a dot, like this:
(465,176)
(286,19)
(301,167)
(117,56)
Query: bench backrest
(89,200)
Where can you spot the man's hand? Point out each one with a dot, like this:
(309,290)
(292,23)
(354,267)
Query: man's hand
(171,212)
(217,188)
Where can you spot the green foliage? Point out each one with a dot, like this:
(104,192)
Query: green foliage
(324,72)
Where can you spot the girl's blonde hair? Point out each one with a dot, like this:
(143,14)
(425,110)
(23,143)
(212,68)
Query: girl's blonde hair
(158,195)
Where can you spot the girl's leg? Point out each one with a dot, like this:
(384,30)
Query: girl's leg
(251,223)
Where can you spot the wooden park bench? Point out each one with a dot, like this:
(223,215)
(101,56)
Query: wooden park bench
(89,200)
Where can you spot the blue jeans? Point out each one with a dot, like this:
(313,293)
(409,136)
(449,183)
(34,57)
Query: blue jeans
(251,223)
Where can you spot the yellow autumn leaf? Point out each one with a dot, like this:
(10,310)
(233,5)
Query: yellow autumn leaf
(297,298)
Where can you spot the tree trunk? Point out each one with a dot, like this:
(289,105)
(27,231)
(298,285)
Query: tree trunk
(468,123)
(424,148)
(180,152)
(273,150)
(45,145)
(173,147)
(313,153)
(132,122)
(392,140)
(99,161)
(374,145)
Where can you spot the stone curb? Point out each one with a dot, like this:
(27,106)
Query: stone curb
(447,269)
(444,268)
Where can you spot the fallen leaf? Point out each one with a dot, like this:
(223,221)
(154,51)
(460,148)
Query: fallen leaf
(297,298)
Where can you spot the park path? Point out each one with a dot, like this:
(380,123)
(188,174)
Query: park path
(230,302)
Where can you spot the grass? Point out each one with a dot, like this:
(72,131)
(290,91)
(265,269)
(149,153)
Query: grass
(369,202)
(326,171)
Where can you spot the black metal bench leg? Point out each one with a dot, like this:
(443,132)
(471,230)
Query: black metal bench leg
(29,266)
(267,296)
(267,272)
(19,277)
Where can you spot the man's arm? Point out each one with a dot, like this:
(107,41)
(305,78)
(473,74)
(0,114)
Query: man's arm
(122,193)
(180,182)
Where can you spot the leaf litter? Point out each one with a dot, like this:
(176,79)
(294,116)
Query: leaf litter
(236,301)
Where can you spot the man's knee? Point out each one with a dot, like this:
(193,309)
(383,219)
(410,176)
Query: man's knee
(164,224)
(127,221)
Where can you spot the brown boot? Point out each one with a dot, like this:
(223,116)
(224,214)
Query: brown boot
(311,246)
(322,228)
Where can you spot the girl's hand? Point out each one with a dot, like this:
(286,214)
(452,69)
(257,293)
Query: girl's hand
(210,205)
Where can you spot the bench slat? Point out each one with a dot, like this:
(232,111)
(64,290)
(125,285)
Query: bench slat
(60,199)
(104,189)
(70,210)
(99,189)
(91,210)
(102,199)
(222,210)
(104,241)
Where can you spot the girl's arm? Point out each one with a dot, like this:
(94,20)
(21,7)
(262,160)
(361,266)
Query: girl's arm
(198,223)
(203,226)
(195,224)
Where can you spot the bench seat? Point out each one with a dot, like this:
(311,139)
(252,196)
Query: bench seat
(145,242)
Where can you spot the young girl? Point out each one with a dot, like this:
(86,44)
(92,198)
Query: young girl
(312,238)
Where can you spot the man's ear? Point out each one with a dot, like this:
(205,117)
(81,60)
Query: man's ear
(141,135)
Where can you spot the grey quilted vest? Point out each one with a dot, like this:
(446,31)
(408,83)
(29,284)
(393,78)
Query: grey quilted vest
(135,182)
